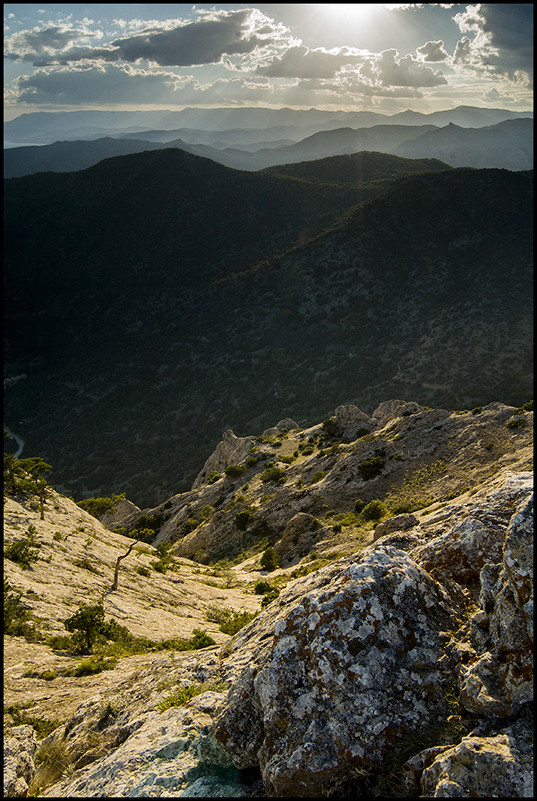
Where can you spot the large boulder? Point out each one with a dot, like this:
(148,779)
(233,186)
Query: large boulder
(343,672)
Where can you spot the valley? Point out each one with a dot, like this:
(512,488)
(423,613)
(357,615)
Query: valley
(235,293)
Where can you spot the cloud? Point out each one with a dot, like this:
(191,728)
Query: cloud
(432,51)
(173,43)
(501,41)
(93,84)
(303,62)
(104,84)
(387,70)
(45,40)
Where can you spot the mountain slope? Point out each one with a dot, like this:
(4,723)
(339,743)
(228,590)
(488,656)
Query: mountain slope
(140,346)
(508,145)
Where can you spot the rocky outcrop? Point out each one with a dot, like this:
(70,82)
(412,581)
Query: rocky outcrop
(299,536)
(352,422)
(20,746)
(483,767)
(230,450)
(123,510)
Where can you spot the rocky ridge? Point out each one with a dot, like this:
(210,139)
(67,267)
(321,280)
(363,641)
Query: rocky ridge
(401,666)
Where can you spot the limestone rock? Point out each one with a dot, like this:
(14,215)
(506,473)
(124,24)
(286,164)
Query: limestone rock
(483,767)
(170,754)
(496,682)
(122,511)
(397,523)
(395,408)
(350,419)
(287,423)
(230,450)
(351,667)
(299,536)
(20,746)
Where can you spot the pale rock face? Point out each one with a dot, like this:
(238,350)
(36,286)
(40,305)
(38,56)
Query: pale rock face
(169,754)
(354,665)
(287,423)
(350,419)
(300,534)
(395,408)
(19,750)
(483,767)
(397,523)
(122,511)
(230,450)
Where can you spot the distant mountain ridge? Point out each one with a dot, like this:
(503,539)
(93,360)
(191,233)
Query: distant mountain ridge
(504,145)
(160,298)
(46,127)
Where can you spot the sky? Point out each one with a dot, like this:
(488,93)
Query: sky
(350,56)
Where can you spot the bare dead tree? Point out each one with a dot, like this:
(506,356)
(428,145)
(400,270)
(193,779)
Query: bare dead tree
(116,571)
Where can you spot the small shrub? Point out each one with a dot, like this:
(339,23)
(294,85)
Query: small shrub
(143,571)
(273,474)
(330,428)
(371,467)
(374,510)
(244,518)
(94,664)
(269,597)
(235,470)
(317,476)
(212,476)
(270,559)
(528,407)
(86,624)
(57,536)
(516,422)
(263,587)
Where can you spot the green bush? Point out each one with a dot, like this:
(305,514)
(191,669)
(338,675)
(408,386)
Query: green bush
(270,559)
(235,470)
(16,615)
(244,518)
(371,467)
(143,571)
(317,476)
(516,422)
(229,620)
(212,476)
(358,505)
(22,553)
(269,597)
(263,587)
(528,407)
(94,664)
(374,510)
(273,474)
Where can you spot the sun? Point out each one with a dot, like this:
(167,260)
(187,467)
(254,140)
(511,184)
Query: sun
(353,12)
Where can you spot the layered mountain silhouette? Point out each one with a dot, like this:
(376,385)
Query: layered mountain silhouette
(156,299)
(506,145)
